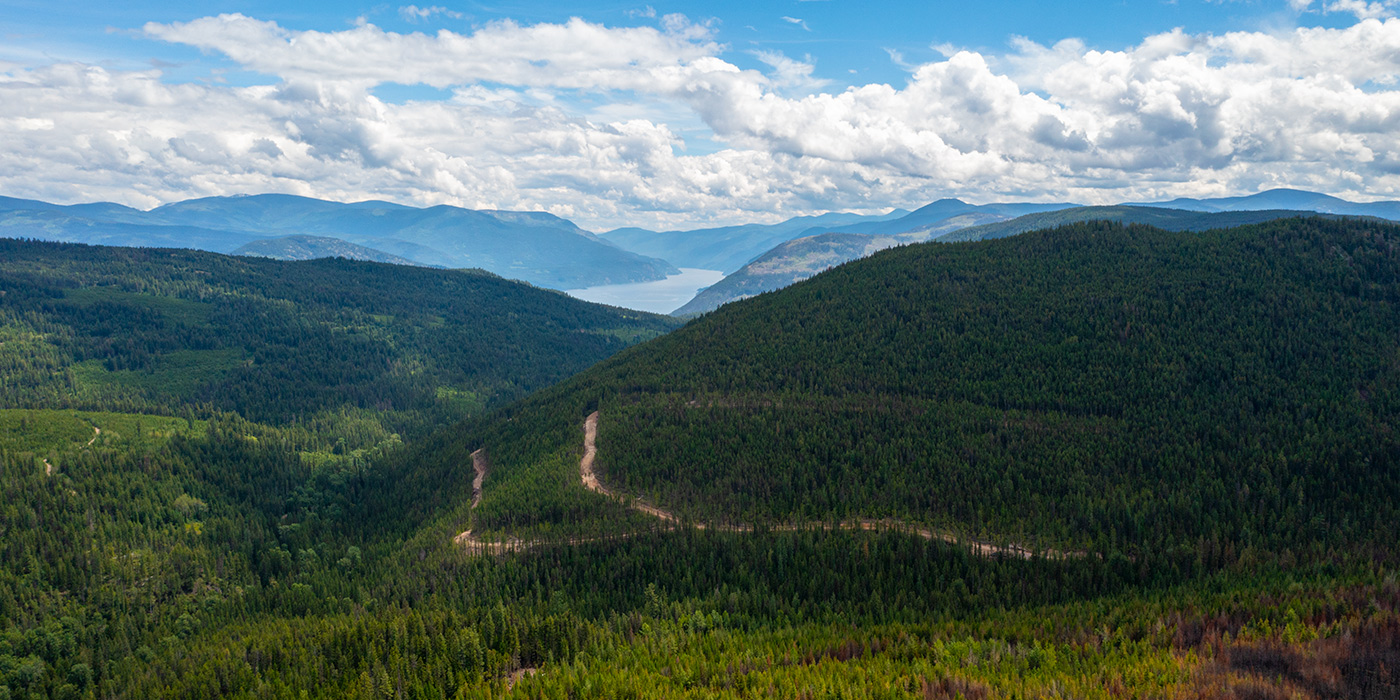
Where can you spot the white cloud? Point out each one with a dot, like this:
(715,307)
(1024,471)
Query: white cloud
(799,22)
(790,73)
(1362,9)
(589,122)
(414,13)
(576,54)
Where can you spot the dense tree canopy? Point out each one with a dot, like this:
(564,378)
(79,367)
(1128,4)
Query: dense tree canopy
(1202,421)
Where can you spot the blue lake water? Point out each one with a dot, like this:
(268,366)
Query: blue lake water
(660,296)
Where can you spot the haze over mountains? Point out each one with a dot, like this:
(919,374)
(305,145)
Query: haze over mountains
(550,251)
(727,248)
(536,247)
(951,220)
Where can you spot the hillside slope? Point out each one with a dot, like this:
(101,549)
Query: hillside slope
(1161,217)
(727,248)
(801,258)
(1296,200)
(150,329)
(1201,424)
(934,214)
(313,247)
(1092,387)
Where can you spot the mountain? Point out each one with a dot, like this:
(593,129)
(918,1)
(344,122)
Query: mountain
(61,225)
(727,248)
(801,258)
(312,247)
(753,270)
(927,381)
(1104,460)
(1168,219)
(805,256)
(730,248)
(533,246)
(1298,200)
(101,328)
(785,264)
(933,215)
(210,420)
(1101,429)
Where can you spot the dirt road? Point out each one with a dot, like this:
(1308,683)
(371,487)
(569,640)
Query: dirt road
(590,479)
(589,476)
(986,549)
(481,466)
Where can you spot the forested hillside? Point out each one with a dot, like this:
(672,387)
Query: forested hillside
(174,421)
(799,259)
(1117,389)
(1190,435)
(313,247)
(1161,217)
(154,331)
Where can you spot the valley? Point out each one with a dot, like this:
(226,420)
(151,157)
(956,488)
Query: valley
(801,350)
(942,469)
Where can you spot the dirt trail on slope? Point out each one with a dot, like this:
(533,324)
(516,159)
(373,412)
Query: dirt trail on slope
(96,433)
(482,466)
(479,464)
(517,675)
(986,549)
(590,481)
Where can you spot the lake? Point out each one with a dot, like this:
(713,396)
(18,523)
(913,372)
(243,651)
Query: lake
(659,296)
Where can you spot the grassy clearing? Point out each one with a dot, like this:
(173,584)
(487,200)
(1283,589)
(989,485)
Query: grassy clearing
(178,373)
(174,309)
(44,430)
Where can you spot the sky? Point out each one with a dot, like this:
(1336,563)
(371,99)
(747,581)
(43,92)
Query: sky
(690,114)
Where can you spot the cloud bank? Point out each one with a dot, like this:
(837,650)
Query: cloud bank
(591,122)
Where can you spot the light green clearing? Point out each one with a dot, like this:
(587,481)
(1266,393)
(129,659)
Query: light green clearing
(178,373)
(49,430)
(174,309)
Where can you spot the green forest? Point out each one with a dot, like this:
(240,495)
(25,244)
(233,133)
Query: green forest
(1095,461)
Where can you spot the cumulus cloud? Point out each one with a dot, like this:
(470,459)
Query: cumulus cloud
(1178,114)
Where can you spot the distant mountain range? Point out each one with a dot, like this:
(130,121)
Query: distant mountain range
(549,251)
(731,247)
(1297,200)
(533,246)
(951,220)
(800,258)
(316,247)
(1163,218)
(728,248)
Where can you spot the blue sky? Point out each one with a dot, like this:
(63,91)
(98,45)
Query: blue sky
(850,41)
(672,114)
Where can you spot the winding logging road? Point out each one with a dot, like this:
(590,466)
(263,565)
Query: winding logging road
(96,433)
(591,482)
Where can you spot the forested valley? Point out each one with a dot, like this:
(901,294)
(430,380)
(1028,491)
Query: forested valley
(229,477)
